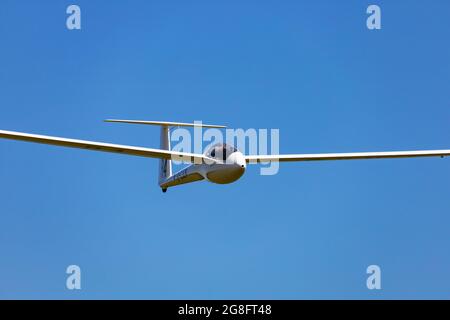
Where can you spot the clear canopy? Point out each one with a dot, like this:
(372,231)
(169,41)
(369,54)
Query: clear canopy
(220,151)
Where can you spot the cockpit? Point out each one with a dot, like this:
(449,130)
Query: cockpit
(221,151)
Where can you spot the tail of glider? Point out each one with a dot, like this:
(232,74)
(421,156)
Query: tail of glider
(166,124)
(165,165)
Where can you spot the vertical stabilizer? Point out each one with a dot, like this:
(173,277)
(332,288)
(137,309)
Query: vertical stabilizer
(165,166)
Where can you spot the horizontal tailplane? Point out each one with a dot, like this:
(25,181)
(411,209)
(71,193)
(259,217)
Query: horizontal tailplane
(167,124)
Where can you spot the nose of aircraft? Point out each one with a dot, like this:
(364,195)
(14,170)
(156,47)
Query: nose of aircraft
(230,172)
(237,168)
(239,159)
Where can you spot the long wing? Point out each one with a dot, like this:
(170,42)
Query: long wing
(105,147)
(346,156)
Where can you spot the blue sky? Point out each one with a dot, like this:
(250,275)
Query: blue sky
(309,68)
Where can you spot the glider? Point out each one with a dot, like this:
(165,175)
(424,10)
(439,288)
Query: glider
(221,164)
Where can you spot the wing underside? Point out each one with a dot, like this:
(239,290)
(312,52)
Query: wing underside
(346,156)
(104,147)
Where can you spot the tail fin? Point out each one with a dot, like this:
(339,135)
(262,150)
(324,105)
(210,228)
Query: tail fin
(165,166)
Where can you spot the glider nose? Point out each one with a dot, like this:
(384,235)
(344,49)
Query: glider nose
(230,171)
(239,160)
(237,168)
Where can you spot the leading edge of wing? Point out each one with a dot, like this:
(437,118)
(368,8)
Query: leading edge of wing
(346,156)
(104,147)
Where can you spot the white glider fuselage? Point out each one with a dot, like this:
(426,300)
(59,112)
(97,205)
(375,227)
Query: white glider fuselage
(217,170)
